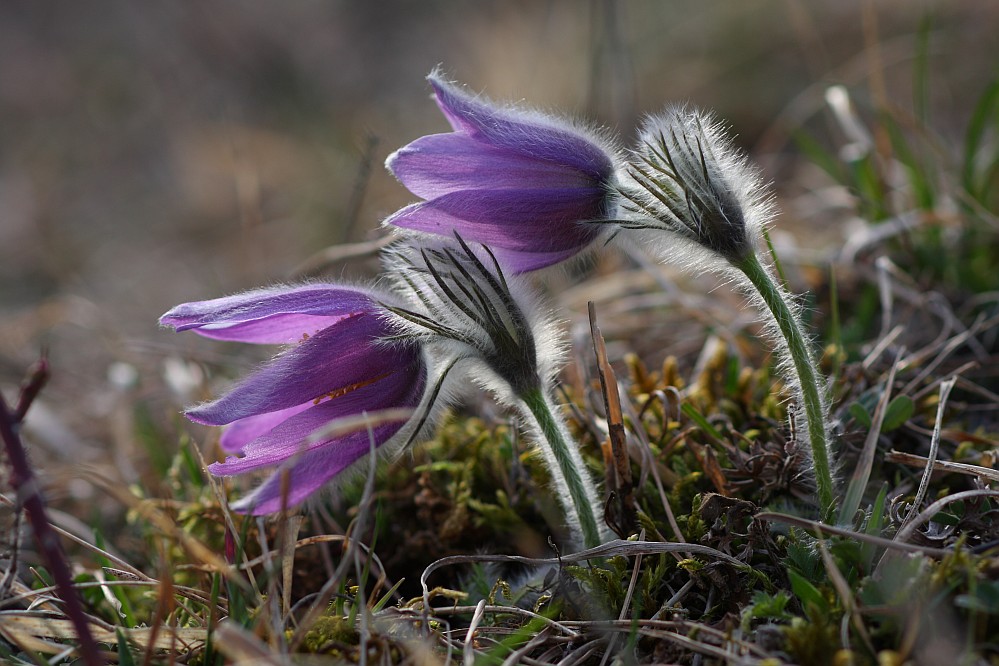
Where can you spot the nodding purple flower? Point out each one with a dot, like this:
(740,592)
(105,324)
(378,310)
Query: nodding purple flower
(524,183)
(338,365)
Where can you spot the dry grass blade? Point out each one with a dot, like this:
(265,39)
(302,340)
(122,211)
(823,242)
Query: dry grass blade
(815,526)
(952,345)
(906,532)
(872,235)
(620,481)
(37,632)
(164,523)
(580,654)
(862,472)
(626,604)
(563,628)
(350,424)
(609,549)
(924,483)
(165,605)
(468,653)
(321,539)
(34,596)
(650,465)
(912,460)
(518,656)
(746,653)
(882,345)
(243,648)
(289,546)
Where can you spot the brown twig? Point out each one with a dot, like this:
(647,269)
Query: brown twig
(624,520)
(30,497)
(913,460)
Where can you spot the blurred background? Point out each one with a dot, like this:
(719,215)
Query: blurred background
(155,153)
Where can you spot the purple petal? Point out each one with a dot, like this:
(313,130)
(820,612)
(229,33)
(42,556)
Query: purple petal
(442,163)
(525,220)
(288,438)
(343,355)
(240,433)
(312,471)
(527,133)
(516,261)
(275,330)
(274,316)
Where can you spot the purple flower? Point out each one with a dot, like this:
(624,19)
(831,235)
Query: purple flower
(338,365)
(522,182)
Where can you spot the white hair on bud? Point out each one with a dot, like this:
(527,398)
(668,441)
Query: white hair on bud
(686,177)
(444,284)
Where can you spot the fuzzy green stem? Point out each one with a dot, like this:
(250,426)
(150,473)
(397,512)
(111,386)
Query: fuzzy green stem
(808,376)
(567,468)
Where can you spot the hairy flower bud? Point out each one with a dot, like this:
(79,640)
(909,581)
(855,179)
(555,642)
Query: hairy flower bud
(686,177)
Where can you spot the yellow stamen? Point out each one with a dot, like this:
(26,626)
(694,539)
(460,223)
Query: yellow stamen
(344,390)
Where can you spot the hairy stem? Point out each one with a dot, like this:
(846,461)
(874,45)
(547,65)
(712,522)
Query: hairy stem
(808,376)
(573,485)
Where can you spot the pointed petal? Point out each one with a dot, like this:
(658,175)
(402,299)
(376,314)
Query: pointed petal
(289,438)
(529,220)
(517,261)
(342,355)
(274,316)
(311,471)
(274,330)
(522,131)
(442,163)
(240,433)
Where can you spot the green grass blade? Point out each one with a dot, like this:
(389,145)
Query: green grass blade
(124,652)
(699,419)
(824,159)
(874,526)
(973,139)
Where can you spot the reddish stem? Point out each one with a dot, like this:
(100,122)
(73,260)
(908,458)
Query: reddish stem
(30,497)
(31,387)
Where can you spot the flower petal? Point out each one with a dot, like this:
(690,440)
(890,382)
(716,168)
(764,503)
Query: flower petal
(518,261)
(342,355)
(288,438)
(442,163)
(273,316)
(529,220)
(311,471)
(240,433)
(528,133)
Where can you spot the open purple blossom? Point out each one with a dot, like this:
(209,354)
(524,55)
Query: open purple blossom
(338,365)
(522,182)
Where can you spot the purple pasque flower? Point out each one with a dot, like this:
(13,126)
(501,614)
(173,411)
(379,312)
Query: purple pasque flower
(337,365)
(522,182)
